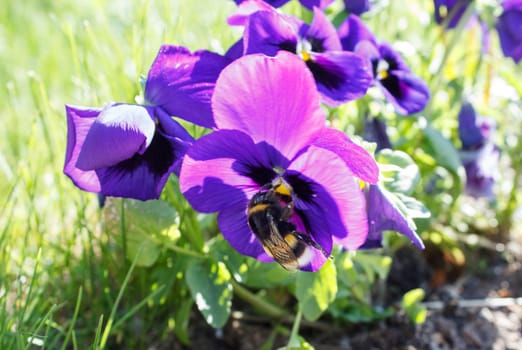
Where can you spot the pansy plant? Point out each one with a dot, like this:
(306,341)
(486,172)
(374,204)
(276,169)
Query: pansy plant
(271,130)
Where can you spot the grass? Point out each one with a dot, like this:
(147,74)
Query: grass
(64,283)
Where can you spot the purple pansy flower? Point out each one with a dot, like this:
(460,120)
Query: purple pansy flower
(357,7)
(450,10)
(128,150)
(383,215)
(309,4)
(509,28)
(406,91)
(479,155)
(263,138)
(341,76)
(123,150)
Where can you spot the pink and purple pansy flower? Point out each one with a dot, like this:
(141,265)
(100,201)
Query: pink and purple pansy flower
(129,150)
(341,76)
(270,127)
(406,91)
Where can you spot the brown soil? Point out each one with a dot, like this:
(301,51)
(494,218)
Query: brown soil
(449,325)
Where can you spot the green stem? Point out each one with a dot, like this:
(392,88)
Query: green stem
(457,33)
(293,342)
(268,308)
(184,251)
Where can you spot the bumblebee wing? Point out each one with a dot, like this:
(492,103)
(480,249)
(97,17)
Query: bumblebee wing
(278,248)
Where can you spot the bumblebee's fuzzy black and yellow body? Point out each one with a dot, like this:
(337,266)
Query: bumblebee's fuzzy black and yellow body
(268,215)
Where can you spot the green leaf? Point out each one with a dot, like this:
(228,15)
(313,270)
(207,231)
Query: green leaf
(399,170)
(413,208)
(182,317)
(445,154)
(144,226)
(377,264)
(412,307)
(209,284)
(315,291)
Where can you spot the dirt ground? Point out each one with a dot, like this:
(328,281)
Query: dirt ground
(469,307)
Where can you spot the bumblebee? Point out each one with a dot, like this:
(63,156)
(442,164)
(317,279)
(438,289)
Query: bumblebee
(268,215)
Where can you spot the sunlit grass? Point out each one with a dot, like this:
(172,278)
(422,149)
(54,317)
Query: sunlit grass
(60,275)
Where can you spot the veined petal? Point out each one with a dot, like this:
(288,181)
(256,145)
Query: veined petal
(272,99)
(221,170)
(268,32)
(310,4)
(119,132)
(329,198)
(360,162)
(182,83)
(341,76)
(79,122)
(322,34)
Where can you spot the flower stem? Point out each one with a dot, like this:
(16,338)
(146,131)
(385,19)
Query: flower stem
(185,251)
(268,308)
(293,342)
(457,33)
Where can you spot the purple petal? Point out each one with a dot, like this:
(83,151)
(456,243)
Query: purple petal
(357,7)
(235,51)
(182,83)
(352,31)
(368,50)
(310,4)
(321,33)
(272,99)
(341,76)
(268,32)
(142,174)
(119,132)
(79,122)
(247,8)
(407,92)
(469,132)
(454,10)
(509,28)
(329,198)
(482,170)
(233,224)
(383,215)
(221,169)
(360,162)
